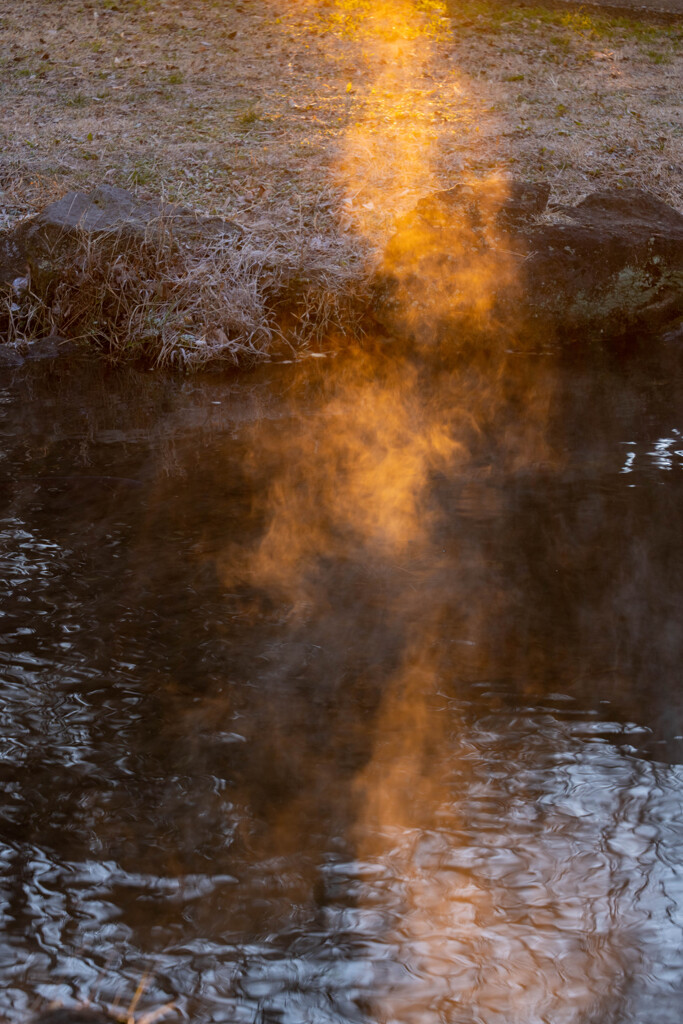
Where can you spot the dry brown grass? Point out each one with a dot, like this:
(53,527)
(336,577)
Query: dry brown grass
(168,305)
(271,113)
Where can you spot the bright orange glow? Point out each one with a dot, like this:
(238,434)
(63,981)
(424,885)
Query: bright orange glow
(386,161)
(355,478)
(389,161)
(352,482)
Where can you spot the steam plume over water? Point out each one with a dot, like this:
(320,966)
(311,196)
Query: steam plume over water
(349,693)
(299,747)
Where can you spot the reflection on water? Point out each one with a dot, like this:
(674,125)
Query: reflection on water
(430,773)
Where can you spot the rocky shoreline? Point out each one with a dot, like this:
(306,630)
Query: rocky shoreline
(608,267)
(469,261)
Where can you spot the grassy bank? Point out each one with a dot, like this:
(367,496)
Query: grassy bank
(314,125)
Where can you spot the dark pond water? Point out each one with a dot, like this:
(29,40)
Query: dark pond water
(344,693)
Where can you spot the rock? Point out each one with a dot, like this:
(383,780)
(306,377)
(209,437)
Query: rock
(42,350)
(517,203)
(616,266)
(45,348)
(40,242)
(10,358)
(111,210)
(473,256)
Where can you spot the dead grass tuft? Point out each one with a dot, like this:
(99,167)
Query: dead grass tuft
(224,301)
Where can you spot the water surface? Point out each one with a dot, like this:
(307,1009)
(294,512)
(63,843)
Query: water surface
(309,721)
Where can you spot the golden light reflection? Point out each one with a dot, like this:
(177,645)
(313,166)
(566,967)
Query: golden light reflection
(503,935)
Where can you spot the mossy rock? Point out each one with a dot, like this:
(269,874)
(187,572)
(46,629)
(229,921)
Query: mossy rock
(495,258)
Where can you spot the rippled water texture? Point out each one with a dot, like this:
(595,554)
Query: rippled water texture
(335,696)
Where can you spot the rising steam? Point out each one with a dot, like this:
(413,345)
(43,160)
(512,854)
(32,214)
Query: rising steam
(353,484)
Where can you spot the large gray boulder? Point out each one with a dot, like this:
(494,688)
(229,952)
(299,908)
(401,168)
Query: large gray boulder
(471,257)
(614,265)
(36,246)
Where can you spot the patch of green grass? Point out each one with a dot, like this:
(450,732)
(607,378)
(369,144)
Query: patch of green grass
(564,43)
(657,57)
(248,117)
(78,100)
(142,173)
